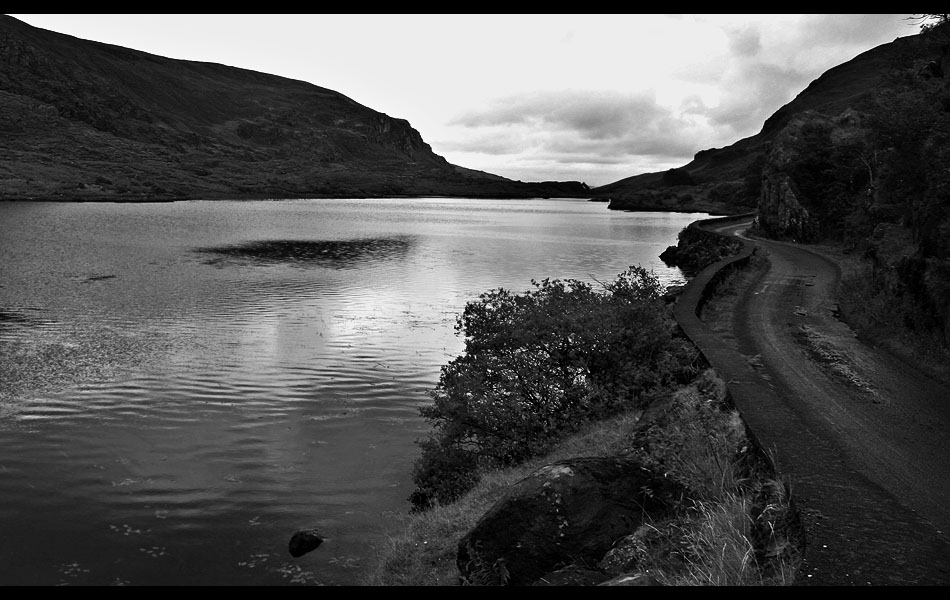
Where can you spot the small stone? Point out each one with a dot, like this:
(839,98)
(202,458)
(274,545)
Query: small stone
(304,541)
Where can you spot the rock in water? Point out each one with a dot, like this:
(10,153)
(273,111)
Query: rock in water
(304,541)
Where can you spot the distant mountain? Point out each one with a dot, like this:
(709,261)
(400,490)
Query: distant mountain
(86,120)
(726,179)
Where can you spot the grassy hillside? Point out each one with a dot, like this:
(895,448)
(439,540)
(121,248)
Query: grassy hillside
(86,120)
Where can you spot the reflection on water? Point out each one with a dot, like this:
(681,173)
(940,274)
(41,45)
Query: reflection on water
(12,316)
(164,420)
(339,254)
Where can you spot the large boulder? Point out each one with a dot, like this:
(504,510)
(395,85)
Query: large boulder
(568,512)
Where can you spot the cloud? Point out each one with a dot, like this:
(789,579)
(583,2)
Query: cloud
(494,141)
(767,63)
(757,91)
(746,41)
(599,136)
(592,115)
(552,120)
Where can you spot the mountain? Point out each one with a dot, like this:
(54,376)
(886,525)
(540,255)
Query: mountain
(86,120)
(725,180)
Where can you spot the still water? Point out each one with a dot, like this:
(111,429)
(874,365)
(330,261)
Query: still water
(184,385)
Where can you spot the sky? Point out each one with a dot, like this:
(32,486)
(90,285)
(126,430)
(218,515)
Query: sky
(532,97)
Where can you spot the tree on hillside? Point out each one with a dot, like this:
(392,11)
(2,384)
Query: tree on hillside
(929,22)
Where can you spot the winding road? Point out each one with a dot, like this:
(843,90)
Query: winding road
(863,438)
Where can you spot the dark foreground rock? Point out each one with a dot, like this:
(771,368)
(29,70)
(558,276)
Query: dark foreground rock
(650,515)
(569,512)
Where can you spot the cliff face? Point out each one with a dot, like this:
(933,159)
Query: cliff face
(780,212)
(80,119)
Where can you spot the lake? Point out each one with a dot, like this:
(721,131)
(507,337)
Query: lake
(184,385)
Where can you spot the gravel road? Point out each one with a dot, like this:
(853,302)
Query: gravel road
(863,438)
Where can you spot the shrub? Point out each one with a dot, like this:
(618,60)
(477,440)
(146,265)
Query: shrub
(537,365)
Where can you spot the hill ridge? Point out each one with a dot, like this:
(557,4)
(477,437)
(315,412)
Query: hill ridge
(95,121)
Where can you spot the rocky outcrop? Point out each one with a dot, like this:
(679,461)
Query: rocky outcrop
(697,248)
(781,213)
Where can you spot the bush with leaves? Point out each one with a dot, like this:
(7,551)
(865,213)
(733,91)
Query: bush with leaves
(537,365)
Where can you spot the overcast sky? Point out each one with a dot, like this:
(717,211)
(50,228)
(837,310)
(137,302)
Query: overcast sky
(532,97)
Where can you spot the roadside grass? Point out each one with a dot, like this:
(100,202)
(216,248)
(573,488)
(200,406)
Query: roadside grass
(693,435)
(720,551)
(879,317)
